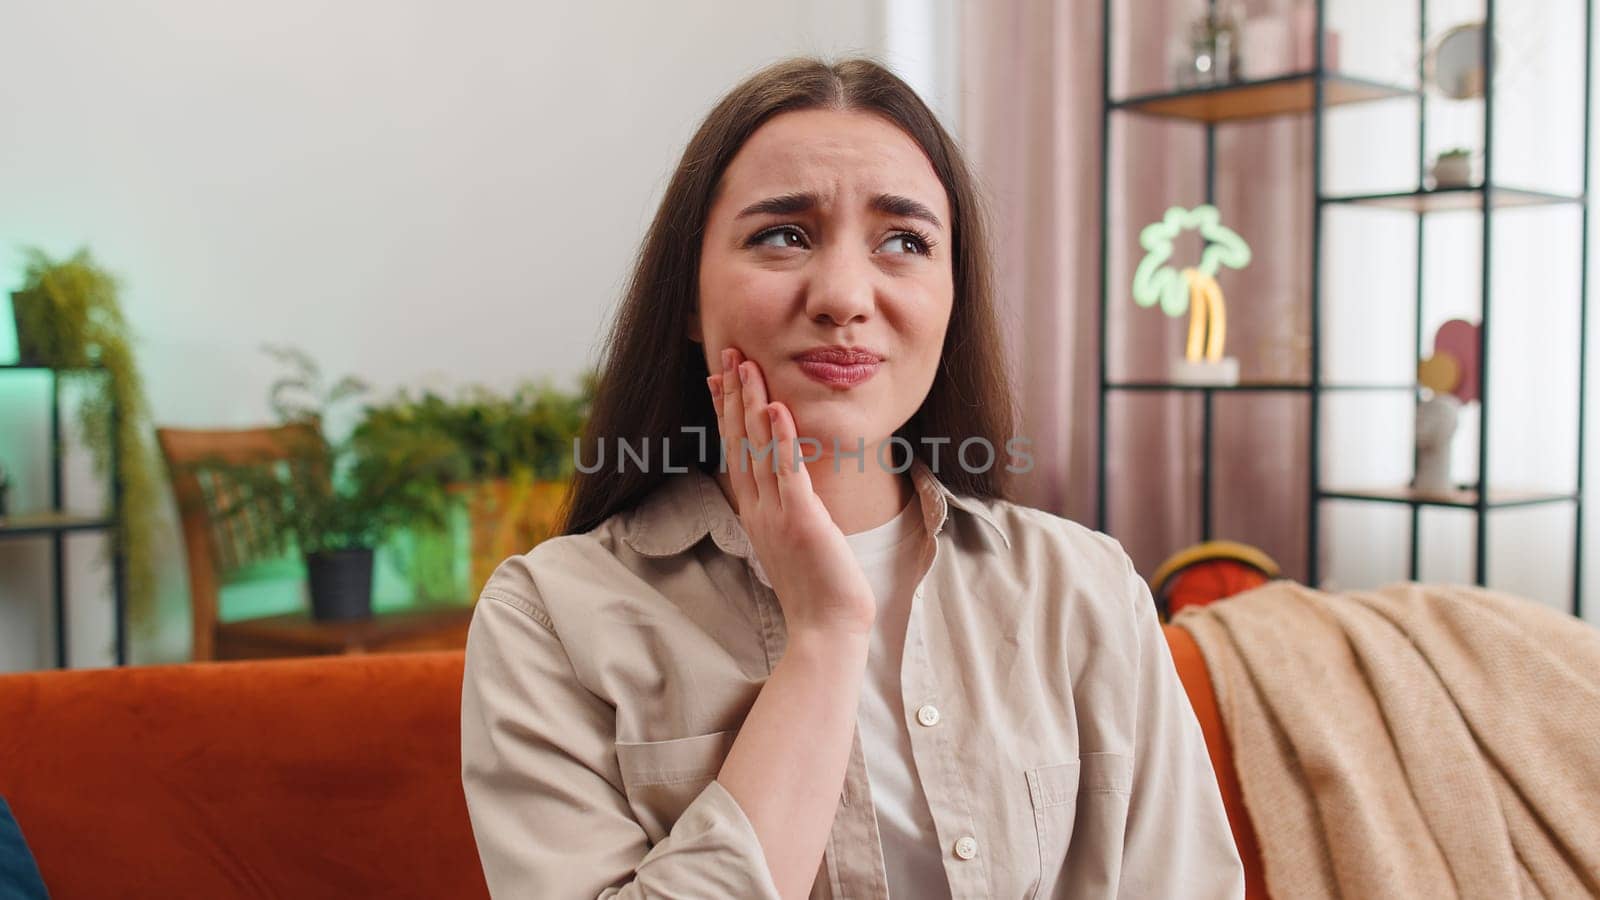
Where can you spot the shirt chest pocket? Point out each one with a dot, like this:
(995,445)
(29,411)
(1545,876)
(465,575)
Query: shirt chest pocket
(661,778)
(1087,798)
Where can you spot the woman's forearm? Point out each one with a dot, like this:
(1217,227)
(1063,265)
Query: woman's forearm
(786,766)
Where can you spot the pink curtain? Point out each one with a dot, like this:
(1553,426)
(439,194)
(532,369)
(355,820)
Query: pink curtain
(1031,122)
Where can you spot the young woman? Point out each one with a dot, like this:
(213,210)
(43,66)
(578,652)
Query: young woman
(832,660)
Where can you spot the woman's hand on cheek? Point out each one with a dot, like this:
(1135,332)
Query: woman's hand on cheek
(819,583)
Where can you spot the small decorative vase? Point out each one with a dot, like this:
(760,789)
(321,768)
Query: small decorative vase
(1452,172)
(507,517)
(341,584)
(1437,418)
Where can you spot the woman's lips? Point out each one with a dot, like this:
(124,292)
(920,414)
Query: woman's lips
(838,374)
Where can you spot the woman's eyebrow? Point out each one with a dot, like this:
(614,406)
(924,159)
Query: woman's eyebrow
(790,204)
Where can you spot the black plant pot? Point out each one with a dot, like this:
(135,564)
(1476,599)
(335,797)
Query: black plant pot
(341,584)
(27,343)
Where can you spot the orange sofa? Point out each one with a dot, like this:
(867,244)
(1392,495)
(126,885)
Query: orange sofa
(304,778)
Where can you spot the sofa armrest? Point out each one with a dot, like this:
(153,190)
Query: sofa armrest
(1197,684)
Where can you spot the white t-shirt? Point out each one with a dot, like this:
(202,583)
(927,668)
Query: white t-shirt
(892,556)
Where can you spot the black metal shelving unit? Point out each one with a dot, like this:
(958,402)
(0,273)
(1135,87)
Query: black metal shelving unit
(1311,93)
(56,523)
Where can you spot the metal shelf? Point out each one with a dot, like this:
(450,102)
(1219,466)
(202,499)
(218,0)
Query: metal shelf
(35,524)
(1287,95)
(55,524)
(1312,93)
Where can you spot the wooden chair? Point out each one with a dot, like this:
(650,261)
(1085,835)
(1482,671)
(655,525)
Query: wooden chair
(216,546)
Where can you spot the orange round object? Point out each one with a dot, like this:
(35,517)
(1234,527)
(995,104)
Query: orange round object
(1208,582)
(1208,572)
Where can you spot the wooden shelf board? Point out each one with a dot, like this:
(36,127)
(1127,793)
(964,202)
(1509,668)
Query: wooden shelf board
(1353,387)
(1286,95)
(1244,386)
(34,367)
(298,629)
(1289,387)
(1455,199)
(1461,499)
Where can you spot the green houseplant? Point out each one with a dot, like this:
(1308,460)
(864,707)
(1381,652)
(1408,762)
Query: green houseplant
(511,463)
(69,318)
(335,501)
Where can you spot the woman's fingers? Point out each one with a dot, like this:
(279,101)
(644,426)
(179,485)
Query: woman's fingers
(765,460)
(794,481)
(731,423)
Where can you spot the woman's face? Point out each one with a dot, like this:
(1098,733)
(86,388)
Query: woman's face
(830,230)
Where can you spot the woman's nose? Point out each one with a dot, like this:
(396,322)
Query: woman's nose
(841,286)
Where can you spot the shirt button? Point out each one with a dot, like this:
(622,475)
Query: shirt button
(967,847)
(928,715)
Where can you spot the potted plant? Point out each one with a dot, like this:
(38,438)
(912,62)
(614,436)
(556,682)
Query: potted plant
(1452,168)
(512,465)
(69,318)
(335,501)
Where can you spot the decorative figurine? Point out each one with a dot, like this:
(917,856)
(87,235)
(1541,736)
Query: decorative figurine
(1437,417)
(1194,290)
(1449,380)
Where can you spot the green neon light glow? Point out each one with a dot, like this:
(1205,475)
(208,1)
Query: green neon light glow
(1155,281)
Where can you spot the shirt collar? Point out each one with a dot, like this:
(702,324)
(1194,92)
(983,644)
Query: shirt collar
(688,506)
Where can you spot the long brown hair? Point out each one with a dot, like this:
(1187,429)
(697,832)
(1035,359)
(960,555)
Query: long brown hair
(652,378)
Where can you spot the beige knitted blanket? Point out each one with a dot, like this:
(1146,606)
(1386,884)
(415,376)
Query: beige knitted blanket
(1414,741)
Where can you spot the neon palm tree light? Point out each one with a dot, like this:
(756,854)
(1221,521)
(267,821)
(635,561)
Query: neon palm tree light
(1193,290)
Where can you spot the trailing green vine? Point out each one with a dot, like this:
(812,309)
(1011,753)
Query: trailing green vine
(70,318)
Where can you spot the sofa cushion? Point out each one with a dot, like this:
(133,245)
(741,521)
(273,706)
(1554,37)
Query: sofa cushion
(19,875)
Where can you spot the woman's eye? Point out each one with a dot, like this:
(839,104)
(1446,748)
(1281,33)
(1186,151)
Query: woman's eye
(788,237)
(784,236)
(905,242)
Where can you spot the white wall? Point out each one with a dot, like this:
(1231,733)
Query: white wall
(416,192)
(922,45)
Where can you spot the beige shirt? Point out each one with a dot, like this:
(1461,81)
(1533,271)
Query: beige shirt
(891,557)
(607,674)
